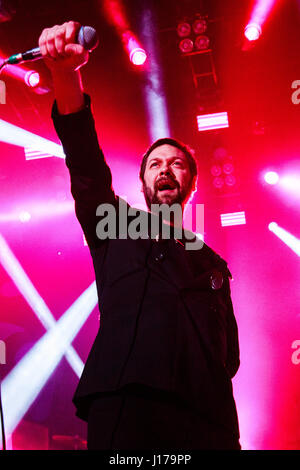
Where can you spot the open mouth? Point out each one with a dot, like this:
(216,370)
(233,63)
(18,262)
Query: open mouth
(166,186)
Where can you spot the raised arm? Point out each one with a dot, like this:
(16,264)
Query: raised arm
(74,124)
(64,58)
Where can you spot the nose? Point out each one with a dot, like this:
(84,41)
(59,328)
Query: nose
(165,170)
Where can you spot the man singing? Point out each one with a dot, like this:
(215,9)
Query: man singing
(159,373)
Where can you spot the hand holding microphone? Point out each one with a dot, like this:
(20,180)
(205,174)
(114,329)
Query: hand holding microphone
(63,47)
(66,47)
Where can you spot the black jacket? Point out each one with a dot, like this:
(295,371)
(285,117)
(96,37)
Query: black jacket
(161,324)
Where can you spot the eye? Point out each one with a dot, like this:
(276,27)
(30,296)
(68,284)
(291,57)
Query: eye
(178,163)
(153,164)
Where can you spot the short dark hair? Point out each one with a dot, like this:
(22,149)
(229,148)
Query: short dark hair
(189,153)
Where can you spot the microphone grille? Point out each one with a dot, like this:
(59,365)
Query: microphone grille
(88,38)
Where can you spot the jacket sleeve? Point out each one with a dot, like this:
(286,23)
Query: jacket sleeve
(91,181)
(233,352)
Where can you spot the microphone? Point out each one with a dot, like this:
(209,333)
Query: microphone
(86,37)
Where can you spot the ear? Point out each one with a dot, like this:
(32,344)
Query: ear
(194,184)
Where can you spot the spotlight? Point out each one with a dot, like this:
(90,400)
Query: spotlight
(228,168)
(218,182)
(24,216)
(186,45)
(208,122)
(138,56)
(32,78)
(252,31)
(271,177)
(233,218)
(200,26)
(216,170)
(272,226)
(184,30)
(202,42)
(230,180)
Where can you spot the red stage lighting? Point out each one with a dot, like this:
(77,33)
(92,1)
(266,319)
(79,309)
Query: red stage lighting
(186,45)
(216,170)
(184,30)
(200,26)
(218,182)
(228,168)
(230,180)
(202,42)
(252,31)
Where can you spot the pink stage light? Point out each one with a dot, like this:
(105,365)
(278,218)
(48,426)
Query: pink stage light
(290,240)
(32,79)
(138,56)
(271,177)
(290,183)
(208,122)
(14,135)
(259,14)
(115,14)
(24,216)
(33,154)
(233,218)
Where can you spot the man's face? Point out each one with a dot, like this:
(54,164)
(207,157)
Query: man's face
(167,177)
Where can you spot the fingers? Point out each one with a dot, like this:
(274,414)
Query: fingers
(72,28)
(53,40)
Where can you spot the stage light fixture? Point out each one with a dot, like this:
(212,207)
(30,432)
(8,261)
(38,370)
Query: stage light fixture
(184,29)
(186,45)
(202,42)
(271,177)
(233,218)
(218,182)
(216,170)
(138,56)
(228,168)
(252,31)
(207,122)
(200,26)
(230,180)
(32,78)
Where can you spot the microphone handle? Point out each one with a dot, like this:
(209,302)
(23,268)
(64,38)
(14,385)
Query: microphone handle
(33,54)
